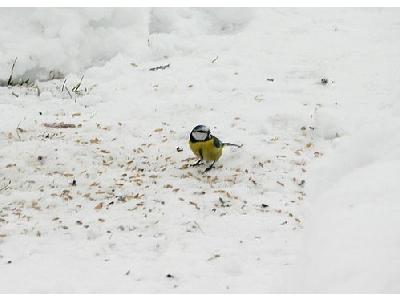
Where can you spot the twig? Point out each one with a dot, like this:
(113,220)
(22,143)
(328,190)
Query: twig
(6,186)
(214,60)
(12,71)
(160,68)
(59,125)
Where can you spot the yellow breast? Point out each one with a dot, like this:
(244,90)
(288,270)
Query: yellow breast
(206,150)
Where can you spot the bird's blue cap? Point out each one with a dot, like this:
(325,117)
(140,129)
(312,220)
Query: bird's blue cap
(201,128)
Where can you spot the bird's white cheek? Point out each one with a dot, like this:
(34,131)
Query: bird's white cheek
(199,136)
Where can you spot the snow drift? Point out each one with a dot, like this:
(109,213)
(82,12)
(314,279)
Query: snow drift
(351,236)
(69,40)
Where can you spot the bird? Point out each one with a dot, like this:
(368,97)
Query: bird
(205,146)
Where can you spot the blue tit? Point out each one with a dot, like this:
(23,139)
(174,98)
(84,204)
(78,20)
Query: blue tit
(206,146)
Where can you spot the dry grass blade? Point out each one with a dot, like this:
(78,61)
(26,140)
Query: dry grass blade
(75,88)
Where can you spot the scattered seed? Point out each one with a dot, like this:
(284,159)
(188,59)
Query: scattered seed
(214,257)
(59,125)
(194,204)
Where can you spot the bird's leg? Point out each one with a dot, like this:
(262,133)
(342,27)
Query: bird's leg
(196,164)
(210,167)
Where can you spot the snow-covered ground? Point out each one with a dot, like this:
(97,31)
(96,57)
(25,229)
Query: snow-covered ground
(309,204)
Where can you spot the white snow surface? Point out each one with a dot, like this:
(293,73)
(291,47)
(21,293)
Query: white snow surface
(309,204)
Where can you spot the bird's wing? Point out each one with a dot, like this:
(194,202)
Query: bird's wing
(217,142)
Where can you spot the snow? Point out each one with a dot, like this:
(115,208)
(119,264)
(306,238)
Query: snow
(68,40)
(309,204)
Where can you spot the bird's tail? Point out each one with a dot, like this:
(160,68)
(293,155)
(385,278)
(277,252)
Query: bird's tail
(232,145)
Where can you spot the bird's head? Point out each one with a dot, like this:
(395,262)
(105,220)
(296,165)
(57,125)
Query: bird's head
(200,133)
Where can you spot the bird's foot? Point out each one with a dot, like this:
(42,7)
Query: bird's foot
(200,162)
(209,168)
